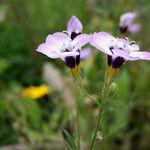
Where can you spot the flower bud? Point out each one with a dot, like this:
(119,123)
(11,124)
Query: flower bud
(112,89)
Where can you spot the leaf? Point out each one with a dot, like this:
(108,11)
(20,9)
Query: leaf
(68,146)
(69,140)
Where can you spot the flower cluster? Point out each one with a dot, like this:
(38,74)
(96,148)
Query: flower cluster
(67,44)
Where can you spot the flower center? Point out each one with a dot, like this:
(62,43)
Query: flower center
(66,47)
(124,44)
(118,44)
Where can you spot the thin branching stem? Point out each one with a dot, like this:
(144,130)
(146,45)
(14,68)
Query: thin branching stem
(101,108)
(80,85)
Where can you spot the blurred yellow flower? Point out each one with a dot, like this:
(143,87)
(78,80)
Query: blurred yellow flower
(36,92)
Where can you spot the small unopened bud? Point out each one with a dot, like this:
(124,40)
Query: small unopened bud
(99,136)
(112,89)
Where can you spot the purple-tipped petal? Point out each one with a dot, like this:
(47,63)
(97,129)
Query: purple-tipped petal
(134,28)
(85,53)
(140,55)
(74,25)
(102,41)
(81,40)
(48,50)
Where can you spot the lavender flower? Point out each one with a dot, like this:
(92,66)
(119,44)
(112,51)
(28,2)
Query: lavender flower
(127,23)
(118,50)
(66,45)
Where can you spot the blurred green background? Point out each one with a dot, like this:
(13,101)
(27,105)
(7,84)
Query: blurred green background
(38,123)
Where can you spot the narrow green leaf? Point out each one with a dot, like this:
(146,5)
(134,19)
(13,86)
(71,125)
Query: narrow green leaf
(69,140)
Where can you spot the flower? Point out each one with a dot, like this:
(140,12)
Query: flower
(127,23)
(118,50)
(36,92)
(66,45)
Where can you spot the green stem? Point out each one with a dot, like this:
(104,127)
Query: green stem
(78,125)
(96,129)
(101,108)
(78,84)
(99,118)
(78,116)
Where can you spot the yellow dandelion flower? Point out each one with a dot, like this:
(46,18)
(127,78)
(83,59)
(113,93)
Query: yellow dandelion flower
(36,92)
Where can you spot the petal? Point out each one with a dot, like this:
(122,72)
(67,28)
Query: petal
(102,41)
(141,55)
(105,36)
(60,35)
(133,47)
(80,41)
(51,40)
(74,25)
(85,53)
(48,50)
(134,28)
(58,39)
